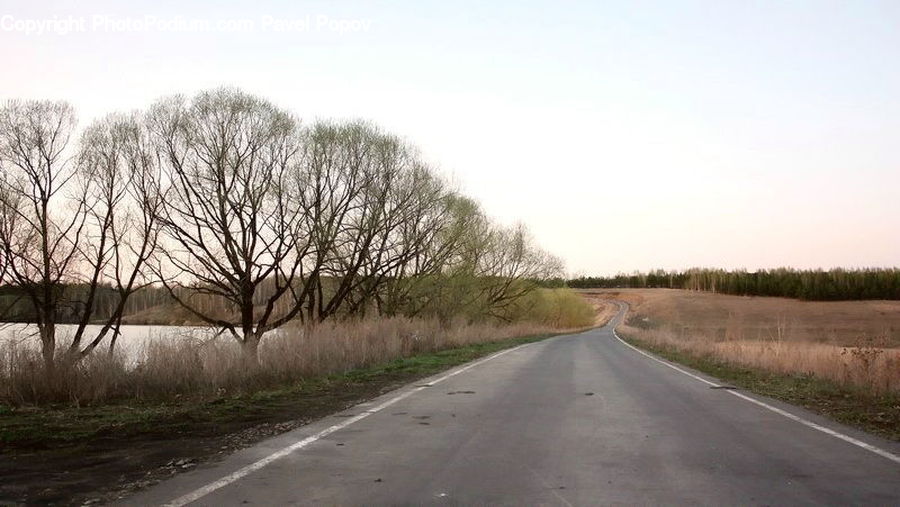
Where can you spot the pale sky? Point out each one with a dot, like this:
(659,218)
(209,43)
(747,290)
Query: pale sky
(626,135)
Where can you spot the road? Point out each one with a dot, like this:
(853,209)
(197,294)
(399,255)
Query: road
(575,420)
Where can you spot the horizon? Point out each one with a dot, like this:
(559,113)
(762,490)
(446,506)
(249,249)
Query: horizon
(575,276)
(625,137)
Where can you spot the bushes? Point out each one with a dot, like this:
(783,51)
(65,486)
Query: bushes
(559,308)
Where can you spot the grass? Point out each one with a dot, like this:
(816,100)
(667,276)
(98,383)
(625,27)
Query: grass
(873,412)
(166,368)
(847,343)
(725,317)
(834,358)
(55,426)
(865,367)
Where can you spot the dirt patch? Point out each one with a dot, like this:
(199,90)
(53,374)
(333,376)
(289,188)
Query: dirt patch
(105,468)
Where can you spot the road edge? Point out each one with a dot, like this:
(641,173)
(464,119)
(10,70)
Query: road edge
(805,421)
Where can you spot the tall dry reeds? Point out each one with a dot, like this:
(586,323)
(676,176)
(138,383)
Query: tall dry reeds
(184,363)
(185,366)
(866,365)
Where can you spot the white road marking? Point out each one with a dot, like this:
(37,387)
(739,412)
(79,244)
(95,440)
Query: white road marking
(247,470)
(836,434)
(670,365)
(828,431)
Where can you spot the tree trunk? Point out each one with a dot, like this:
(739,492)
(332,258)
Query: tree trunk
(47,332)
(250,351)
(250,345)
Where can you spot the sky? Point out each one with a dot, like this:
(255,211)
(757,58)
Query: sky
(627,135)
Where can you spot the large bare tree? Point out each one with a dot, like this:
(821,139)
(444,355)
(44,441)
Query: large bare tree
(73,227)
(38,236)
(507,265)
(390,234)
(231,217)
(439,231)
(119,175)
(491,268)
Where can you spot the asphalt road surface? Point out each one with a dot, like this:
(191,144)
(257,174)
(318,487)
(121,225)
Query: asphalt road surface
(575,420)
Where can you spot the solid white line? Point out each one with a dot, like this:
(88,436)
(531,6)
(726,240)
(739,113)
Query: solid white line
(247,470)
(859,443)
(828,431)
(670,365)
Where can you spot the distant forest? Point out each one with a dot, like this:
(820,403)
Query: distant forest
(814,285)
(15,306)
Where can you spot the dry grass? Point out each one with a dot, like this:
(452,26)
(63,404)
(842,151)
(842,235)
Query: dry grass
(849,343)
(604,309)
(187,366)
(718,316)
(202,368)
(871,368)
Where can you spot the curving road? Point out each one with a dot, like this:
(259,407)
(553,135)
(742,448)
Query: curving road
(575,420)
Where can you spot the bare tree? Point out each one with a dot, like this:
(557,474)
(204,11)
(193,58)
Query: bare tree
(383,201)
(231,217)
(411,212)
(492,268)
(119,176)
(508,264)
(37,234)
(336,167)
(73,229)
(392,236)
(246,219)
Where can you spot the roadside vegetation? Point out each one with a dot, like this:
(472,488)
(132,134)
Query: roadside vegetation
(815,285)
(837,358)
(185,406)
(308,249)
(202,369)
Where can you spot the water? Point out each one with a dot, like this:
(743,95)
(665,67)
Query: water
(132,340)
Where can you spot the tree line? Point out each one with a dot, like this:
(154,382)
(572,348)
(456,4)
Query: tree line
(241,215)
(816,285)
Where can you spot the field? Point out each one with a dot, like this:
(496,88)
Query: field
(724,317)
(852,343)
(838,358)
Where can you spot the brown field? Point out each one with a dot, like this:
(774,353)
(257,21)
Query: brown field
(720,316)
(852,343)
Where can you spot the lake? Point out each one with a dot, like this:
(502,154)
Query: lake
(132,338)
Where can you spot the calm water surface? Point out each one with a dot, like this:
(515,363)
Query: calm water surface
(132,340)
